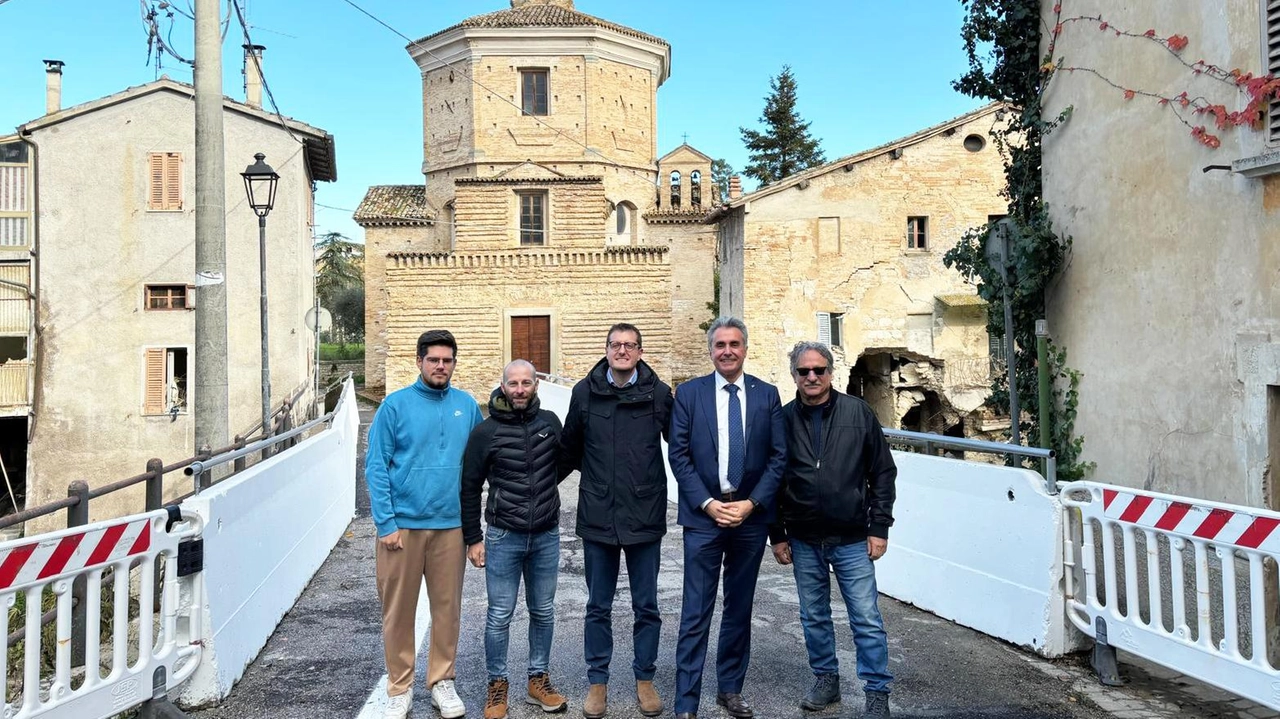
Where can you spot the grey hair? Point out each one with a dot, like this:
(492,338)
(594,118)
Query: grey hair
(722,322)
(519,363)
(802,347)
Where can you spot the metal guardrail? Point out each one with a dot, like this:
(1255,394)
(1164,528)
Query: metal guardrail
(930,443)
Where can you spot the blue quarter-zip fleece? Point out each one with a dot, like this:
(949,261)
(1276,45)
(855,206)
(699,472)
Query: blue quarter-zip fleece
(414,463)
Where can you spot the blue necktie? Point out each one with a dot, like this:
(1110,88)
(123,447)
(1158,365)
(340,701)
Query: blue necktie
(737,442)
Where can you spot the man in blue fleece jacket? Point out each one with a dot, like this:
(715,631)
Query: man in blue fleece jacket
(413,467)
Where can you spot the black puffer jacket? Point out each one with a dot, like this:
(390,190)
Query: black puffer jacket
(614,435)
(517,452)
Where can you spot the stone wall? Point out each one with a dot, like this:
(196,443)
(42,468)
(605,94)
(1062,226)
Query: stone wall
(378,242)
(474,294)
(836,243)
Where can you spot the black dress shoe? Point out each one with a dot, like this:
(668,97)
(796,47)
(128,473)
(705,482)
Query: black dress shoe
(735,705)
(686,715)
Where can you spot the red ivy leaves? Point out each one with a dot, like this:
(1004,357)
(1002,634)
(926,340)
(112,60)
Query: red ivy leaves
(1177,43)
(1149,33)
(1206,138)
(1128,94)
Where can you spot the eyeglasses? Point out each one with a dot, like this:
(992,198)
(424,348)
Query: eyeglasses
(628,346)
(438,360)
(816,371)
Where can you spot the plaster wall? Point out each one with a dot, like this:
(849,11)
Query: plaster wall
(99,247)
(1169,303)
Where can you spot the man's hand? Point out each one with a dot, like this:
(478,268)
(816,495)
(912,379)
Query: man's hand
(391,541)
(744,508)
(782,552)
(722,513)
(476,554)
(876,547)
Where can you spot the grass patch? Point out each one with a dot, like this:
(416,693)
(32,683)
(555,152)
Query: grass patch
(333,352)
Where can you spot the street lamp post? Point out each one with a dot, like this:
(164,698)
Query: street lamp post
(260,185)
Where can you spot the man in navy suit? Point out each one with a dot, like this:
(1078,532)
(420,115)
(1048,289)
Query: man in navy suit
(728,450)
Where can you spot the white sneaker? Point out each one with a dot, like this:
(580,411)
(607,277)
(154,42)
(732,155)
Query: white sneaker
(398,706)
(445,699)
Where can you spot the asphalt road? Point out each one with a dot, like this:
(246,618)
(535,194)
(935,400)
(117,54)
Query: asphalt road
(326,656)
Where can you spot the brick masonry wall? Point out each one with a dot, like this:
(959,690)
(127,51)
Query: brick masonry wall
(472,294)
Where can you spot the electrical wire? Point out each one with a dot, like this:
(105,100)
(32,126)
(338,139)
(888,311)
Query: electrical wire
(257,64)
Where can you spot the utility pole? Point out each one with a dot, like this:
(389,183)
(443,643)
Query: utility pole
(210,401)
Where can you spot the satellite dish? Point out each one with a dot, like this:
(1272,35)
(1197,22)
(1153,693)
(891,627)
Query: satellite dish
(326,320)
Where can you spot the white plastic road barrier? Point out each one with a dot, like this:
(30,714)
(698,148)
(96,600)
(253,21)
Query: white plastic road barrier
(980,545)
(54,561)
(1230,532)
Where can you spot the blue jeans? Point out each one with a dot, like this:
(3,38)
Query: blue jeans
(601,563)
(509,555)
(856,577)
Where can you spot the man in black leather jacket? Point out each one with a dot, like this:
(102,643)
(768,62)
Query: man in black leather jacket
(613,432)
(834,512)
(517,451)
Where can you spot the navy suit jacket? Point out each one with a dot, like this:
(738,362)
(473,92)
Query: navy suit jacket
(693,448)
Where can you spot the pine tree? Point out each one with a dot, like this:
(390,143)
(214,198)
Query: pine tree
(785,147)
(721,171)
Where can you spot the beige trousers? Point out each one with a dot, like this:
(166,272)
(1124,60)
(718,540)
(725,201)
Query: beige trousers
(439,557)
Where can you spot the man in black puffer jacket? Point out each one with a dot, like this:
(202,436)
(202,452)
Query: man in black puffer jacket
(517,451)
(613,433)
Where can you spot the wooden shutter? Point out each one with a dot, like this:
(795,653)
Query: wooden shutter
(155,175)
(173,181)
(154,378)
(824,327)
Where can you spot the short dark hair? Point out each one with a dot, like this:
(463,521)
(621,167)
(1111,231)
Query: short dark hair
(436,338)
(624,327)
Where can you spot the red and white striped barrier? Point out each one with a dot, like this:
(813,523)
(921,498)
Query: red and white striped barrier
(1169,635)
(52,562)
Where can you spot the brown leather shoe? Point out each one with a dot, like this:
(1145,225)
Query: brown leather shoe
(597,701)
(542,694)
(735,705)
(647,696)
(495,707)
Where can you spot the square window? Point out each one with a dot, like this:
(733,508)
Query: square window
(831,328)
(917,233)
(533,92)
(168,297)
(533,217)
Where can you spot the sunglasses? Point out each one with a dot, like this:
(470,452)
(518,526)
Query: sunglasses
(816,371)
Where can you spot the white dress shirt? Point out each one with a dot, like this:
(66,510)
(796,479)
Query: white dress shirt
(722,424)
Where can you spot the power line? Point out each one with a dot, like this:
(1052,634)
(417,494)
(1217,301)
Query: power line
(266,88)
(466,73)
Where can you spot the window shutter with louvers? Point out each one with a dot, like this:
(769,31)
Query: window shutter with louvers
(172,181)
(153,401)
(824,327)
(155,175)
(1271,62)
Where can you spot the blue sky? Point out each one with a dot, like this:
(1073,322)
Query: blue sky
(868,72)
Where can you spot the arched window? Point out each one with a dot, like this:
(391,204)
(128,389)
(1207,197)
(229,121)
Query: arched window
(675,189)
(695,188)
(624,220)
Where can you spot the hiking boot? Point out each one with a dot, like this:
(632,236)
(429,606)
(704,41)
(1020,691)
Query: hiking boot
(877,705)
(444,697)
(495,707)
(647,697)
(398,706)
(825,692)
(597,701)
(542,694)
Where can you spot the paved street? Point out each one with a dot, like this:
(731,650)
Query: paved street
(325,659)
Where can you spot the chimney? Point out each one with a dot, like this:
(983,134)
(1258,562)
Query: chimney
(735,187)
(52,86)
(253,75)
